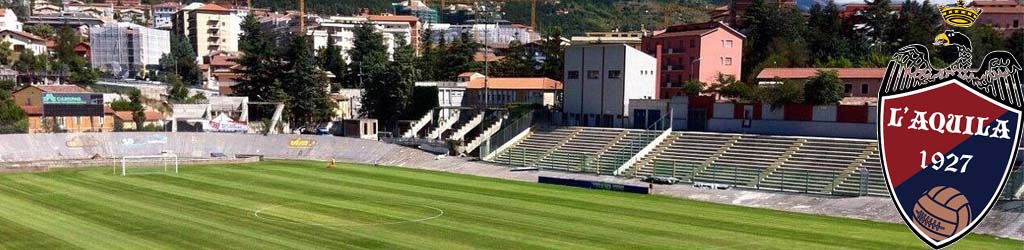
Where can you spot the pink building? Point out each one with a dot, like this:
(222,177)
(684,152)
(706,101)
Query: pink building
(1006,16)
(694,52)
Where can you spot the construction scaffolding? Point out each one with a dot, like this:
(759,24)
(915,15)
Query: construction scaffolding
(125,49)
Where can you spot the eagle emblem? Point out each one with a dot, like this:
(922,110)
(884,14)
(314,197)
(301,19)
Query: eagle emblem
(948,136)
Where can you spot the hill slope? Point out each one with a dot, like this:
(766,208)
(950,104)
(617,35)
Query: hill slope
(573,16)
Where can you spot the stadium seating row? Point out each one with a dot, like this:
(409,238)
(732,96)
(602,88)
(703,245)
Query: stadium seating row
(577,149)
(793,164)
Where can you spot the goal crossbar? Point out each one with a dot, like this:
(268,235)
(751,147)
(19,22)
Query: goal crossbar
(168,160)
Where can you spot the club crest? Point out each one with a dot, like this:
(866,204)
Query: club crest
(948,136)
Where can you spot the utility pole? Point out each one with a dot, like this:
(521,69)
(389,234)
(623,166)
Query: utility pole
(302,17)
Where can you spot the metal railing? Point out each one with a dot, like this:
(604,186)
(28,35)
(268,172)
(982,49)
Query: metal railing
(508,131)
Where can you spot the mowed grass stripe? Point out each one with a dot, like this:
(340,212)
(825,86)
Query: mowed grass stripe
(214,204)
(235,215)
(67,227)
(165,219)
(285,197)
(863,233)
(560,221)
(613,219)
(17,236)
(498,238)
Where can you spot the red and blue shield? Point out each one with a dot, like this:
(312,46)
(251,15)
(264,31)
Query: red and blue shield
(947,148)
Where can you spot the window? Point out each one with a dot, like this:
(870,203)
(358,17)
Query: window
(614,74)
(1016,23)
(574,75)
(693,43)
(593,74)
(727,44)
(727,61)
(863,88)
(847,88)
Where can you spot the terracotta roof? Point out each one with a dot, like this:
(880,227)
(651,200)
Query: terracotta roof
(393,18)
(150,115)
(32,110)
(479,57)
(61,88)
(516,83)
(983,4)
(169,4)
(30,36)
(3,12)
(1003,10)
(803,73)
(700,28)
(214,7)
(685,33)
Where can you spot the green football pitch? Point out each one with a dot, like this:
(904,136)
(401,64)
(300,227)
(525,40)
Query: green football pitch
(302,205)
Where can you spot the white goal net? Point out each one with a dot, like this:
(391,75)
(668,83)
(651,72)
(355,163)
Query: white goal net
(149,164)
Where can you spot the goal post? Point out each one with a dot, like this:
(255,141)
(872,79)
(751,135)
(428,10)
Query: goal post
(133,164)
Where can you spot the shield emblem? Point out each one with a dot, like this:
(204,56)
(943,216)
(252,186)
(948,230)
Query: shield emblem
(947,148)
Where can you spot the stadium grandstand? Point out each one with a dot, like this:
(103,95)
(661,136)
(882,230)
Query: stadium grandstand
(818,165)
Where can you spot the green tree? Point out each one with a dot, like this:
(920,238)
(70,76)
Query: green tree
(431,55)
(825,88)
(177,91)
(780,95)
(138,110)
(69,61)
(882,29)
(516,63)
(693,87)
(459,57)
(331,60)
(1015,44)
(825,33)
(368,54)
(737,90)
(6,53)
(42,30)
(554,53)
(261,67)
(309,103)
(917,23)
(12,118)
(985,39)
(182,61)
(388,94)
(31,65)
(775,38)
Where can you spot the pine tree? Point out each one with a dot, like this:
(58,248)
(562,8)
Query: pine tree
(70,62)
(517,62)
(368,56)
(459,57)
(309,102)
(881,26)
(825,34)
(182,61)
(261,66)
(430,57)
(331,60)
(554,53)
(388,95)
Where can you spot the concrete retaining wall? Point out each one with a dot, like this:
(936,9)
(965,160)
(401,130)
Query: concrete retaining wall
(43,147)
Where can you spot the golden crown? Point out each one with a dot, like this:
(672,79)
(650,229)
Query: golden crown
(960,16)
